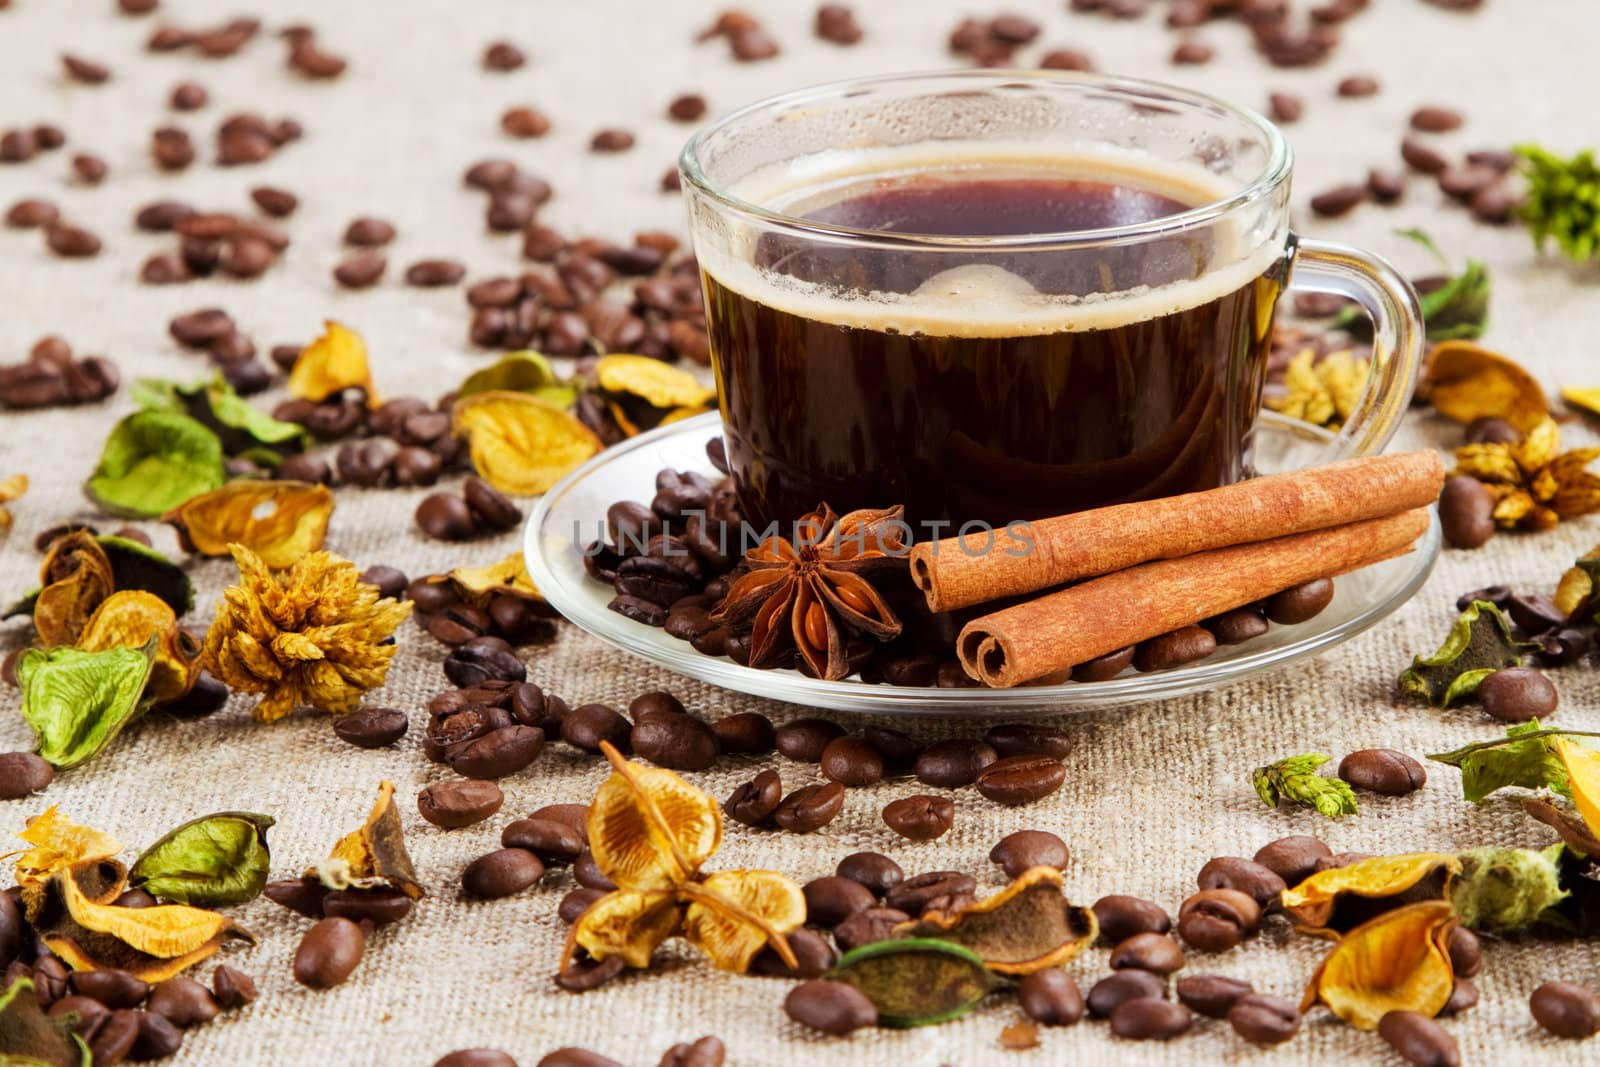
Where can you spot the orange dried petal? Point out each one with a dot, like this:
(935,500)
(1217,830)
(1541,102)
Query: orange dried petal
(522,444)
(1399,961)
(333,362)
(1467,381)
(280,521)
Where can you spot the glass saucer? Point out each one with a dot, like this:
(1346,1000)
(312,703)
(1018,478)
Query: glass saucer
(570,514)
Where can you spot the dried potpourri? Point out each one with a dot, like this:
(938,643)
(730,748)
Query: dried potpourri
(133,618)
(332,363)
(1534,483)
(1322,390)
(280,521)
(1480,642)
(152,462)
(1398,961)
(11,489)
(78,702)
(1294,779)
(521,444)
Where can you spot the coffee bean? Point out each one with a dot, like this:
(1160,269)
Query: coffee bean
(503,56)
(329,953)
(22,774)
(1386,186)
(368,232)
(913,895)
(1465,183)
(380,907)
(832,899)
(1021,779)
(71,242)
(18,146)
(452,804)
(476,1057)
(89,169)
(556,843)
(754,802)
(677,742)
(1156,953)
(1121,917)
(85,71)
(1339,200)
(444,517)
(1435,119)
(1111,992)
(1237,626)
(809,808)
(575,816)
(1491,429)
(804,739)
(1419,156)
(491,508)
(811,950)
(114,1038)
(1286,107)
(852,762)
(1028,739)
(920,818)
(499,753)
(1018,851)
(1383,771)
(1466,512)
(953,763)
(1419,1040)
(302,896)
(874,870)
(1495,205)
(1234,872)
(1216,920)
(611,140)
(1358,85)
(1050,997)
(1534,613)
(114,989)
(524,122)
(590,724)
(158,1038)
(372,727)
(1264,1019)
(654,703)
(1293,858)
(433,273)
(832,1007)
(1463,997)
(867,926)
(1563,647)
(1192,53)
(1517,694)
(1174,649)
(1299,603)
(31,214)
(1566,1009)
(89,1013)
(580,976)
(501,873)
(898,750)
(276,202)
(1150,1019)
(750,44)
(360,270)
(588,874)
(188,96)
(481,660)
(184,1002)
(1211,995)
(1340,859)
(1466,953)
(1104,668)
(575,903)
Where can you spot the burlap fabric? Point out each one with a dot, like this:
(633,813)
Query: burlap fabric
(1152,791)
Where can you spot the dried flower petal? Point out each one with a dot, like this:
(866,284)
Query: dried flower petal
(1314,902)
(628,924)
(520,372)
(239,426)
(280,521)
(1583,774)
(332,363)
(1575,593)
(509,576)
(1028,926)
(76,577)
(650,830)
(373,856)
(521,444)
(1322,392)
(11,488)
(656,383)
(1586,397)
(734,914)
(213,860)
(132,618)
(916,981)
(152,462)
(1480,642)
(78,702)
(1467,381)
(59,843)
(1399,961)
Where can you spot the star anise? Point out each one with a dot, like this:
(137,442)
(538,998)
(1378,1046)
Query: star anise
(810,594)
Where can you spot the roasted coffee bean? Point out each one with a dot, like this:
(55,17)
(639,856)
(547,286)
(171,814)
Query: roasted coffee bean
(476,662)
(1021,779)
(1264,1019)
(499,752)
(1234,872)
(656,702)
(114,989)
(1211,995)
(171,148)
(492,508)
(89,169)
(1339,200)
(953,763)
(501,873)
(1566,1009)
(1104,668)
(188,96)
(1383,771)
(1419,1040)
(1517,694)
(360,270)
(832,899)
(1386,186)
(476,1057)
(1174,649)
(1495,205)
(380,907)
(556,843)
(804,739)
(584,974)
(1463,997)
(1286,107)
(329,953)
(655,580)
(306,467)
(833,1007)
(914,894)
(1150,1019)
(391,581)
(1156,953)
(1120,917)
(114,1038)
(18,146)
(589,724)
(1050,997)
(445,517)
(852,762)
(1066,59)
(1299,603)
(1358,85)
(1293,858)
(1465,183)
(1111,992)
(503,56)
(575,903)
(86,71)
(1466,512)
(452,805)
(920,818)
(874,870)
(303,896)
(1563,647)
(433,273)
(31,214)
(688,107)
(1236,627)
(1534,613)
(22,774)
(1028,739)
(1419,156)
(1491,429)
(368,232)
(158,1038)
(524,122)
(1215,920)
(71,242)
(1466,953)
(898,750)
(89,1012)
(677,742)
(588,874)
(372,727)
(1340,859)
(809,808)
(184,1002)
(812,951)
(414,465)
(1018,851)
(868,925)
(1192,53)
(1435,119)
(754,802)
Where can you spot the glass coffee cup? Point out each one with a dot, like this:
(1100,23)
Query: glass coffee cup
(994,296)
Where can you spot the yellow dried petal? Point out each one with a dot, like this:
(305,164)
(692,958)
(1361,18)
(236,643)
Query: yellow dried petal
(335,361)
(1399,961)
(1311,903)
(1585,397)
(650,830)
(522,444)
(1540,518)
(280,521)
(13,487)
(510,575)
(59,843)
(1467,381)
(1583,771)
(1026,927)
(1575,587)
(627,924)
(1539,445)
(76,576)
(1305,397)
(166,930)
(1543,485)
(658,384)
(374,855)
(1491,463)
(1512,508)
(1577,494)
(734,914)
(129,619)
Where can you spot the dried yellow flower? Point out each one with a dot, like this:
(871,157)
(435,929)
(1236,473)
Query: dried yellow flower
(1314,904)
(1465,381)
(652,381)
(310,635)
(1399,961)
(1585,397)
(11,489)
(76,576)
(521,444)
(1575,592)
(280,521)
(1534,483)
(1322,392)
(333,362)
(372,856)
(129,619)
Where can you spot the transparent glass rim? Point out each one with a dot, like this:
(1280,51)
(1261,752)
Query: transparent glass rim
(1276,169)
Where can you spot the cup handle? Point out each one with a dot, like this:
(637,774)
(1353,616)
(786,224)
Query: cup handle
(1397,335)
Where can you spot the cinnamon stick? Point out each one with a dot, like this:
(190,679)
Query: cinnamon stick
(958,572)
(1062,629)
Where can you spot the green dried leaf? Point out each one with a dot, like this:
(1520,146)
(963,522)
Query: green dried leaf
(1504,889)
(521,372)
(1457,310)
(1479,643)
(1295,778)
(1563,200)
(30,1038)
(152,462)
(916,981)
(207,862)
(241,427)
(137,566)
(1523,757)
(77,702)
